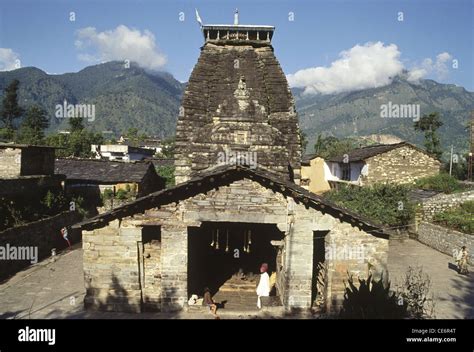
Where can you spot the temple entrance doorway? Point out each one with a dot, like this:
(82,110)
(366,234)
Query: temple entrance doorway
(226,258)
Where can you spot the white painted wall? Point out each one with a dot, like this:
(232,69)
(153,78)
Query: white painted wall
(333,171)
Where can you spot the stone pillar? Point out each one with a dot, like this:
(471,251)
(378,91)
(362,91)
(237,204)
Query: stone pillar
(299,261)
(174,267)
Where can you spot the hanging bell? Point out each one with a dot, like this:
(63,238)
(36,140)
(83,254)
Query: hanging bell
(249,241)
(227,242)
(212,243)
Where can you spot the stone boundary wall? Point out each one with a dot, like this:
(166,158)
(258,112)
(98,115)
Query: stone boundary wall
(442,202)
(44,234)
(444,239)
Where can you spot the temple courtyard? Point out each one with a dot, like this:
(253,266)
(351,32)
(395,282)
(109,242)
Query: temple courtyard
(55,289)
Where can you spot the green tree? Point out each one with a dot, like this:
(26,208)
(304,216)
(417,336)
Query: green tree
(304,141)
(167,148)
(327,147)
(80,143)
(429,124)
(135,138)
(167,172)
(10,109)
(76,124)
(77,143)
(33,126)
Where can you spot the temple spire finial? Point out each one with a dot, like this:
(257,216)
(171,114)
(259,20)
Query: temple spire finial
(236,17)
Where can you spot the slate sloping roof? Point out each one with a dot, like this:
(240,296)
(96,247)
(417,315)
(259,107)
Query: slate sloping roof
(421,195)
(161,162)
(102,171)
(224,175)
(373,150)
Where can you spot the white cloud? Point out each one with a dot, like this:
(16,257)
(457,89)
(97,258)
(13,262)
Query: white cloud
(438,68)
(363,66)
(366,66)
(9,60)
(121,43)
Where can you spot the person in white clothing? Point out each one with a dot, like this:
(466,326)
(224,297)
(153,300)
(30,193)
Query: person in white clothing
(263,288)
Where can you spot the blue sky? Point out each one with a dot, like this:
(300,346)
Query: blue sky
(40,34)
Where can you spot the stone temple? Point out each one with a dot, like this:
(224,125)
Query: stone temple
(236,203)
(237,101)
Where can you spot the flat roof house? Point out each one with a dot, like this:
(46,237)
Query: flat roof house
(121,152)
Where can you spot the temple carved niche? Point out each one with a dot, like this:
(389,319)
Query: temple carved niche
(237,100)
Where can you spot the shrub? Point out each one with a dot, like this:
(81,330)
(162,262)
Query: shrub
(53,203)
(460,218)
(80,206)
(383,203)
(167,172)
(121,194)
(442,183)
(416,294)
(371,300)
(107,194)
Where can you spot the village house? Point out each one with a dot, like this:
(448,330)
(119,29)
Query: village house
(89,178)
(221,222)
(154,144)
(27,170)
(399,163)
(121,152)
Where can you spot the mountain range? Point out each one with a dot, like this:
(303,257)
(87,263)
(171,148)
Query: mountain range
(149,100)
(124,96)
(358,113)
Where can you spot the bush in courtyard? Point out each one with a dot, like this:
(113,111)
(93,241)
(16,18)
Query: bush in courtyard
(416,294)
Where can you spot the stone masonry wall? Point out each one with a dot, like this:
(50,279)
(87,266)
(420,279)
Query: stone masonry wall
(237,100)
(30,185)
(151,276)
(442,202)
(401,165)
(44,234)
(111,268)
(343,245)
(10,162)
(445,240)
(37,161)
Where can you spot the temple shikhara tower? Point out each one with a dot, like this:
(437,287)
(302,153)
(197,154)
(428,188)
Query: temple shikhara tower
(237,203)
(237,103)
